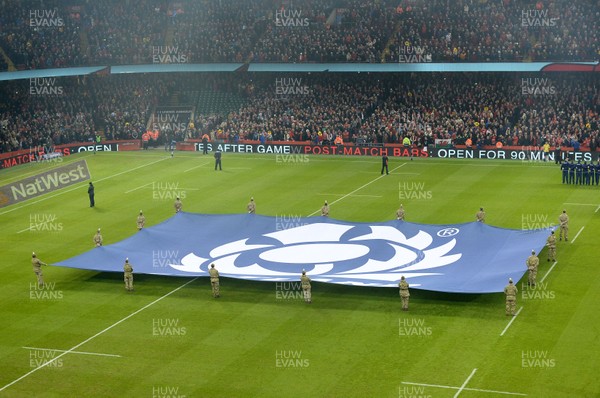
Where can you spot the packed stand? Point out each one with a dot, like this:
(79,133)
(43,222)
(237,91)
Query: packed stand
(36,36)
(507,30)
(30,119)
(487,109)
(112,32)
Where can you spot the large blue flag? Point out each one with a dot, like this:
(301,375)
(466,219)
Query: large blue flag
(462,258)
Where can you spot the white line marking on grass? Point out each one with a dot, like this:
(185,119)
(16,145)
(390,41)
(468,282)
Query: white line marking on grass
(359,188)
(464,389)
(511,321)
(342,194)
(597,208)
(581,204)
(60,192)
(195,167)
(23,230)
(578,234)
(547,273)
(96,335)
(74,352)
(135,189)
(465,383)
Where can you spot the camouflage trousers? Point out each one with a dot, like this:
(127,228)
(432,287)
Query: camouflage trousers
(307,295)
(511,306)
(215,288)
(552,253)
(532,276)
(128,282)
(40,277)
(404,302)
(564,230)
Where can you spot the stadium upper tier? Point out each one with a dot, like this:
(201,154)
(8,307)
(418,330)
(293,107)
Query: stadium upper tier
(55,33)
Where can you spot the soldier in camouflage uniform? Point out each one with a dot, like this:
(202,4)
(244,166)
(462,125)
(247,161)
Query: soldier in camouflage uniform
(37,269)
(532,265)
(404,293)
(400,213)
(214,281)
(128,275)
(551,243)
(325,210)
(98,238)
(141,221)
(251,206)
(306,288)
(178,205)
(511,297)
(564,225)
(480,216)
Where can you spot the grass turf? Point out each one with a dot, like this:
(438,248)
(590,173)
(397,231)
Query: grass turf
(351,342)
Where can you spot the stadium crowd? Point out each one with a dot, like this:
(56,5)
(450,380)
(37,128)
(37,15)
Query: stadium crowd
(75,110)
(60,34)
(483,109)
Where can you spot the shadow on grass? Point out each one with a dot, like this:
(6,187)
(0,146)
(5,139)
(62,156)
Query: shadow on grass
(326,296)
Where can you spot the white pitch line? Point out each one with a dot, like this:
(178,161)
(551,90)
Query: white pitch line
(465,383)
(135,189)
(597,208)
(464,389)
(358,189)
(581,204)
(511,321)
(60,192)
(550,270)
(96,335)
(23,230)
(577,234)
(342,194)
(74,352)
(195,167)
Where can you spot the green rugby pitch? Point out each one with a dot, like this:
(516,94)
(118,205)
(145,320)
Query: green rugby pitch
(86,336)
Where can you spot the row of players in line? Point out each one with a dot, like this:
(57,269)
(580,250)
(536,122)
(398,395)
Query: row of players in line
(580,173)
